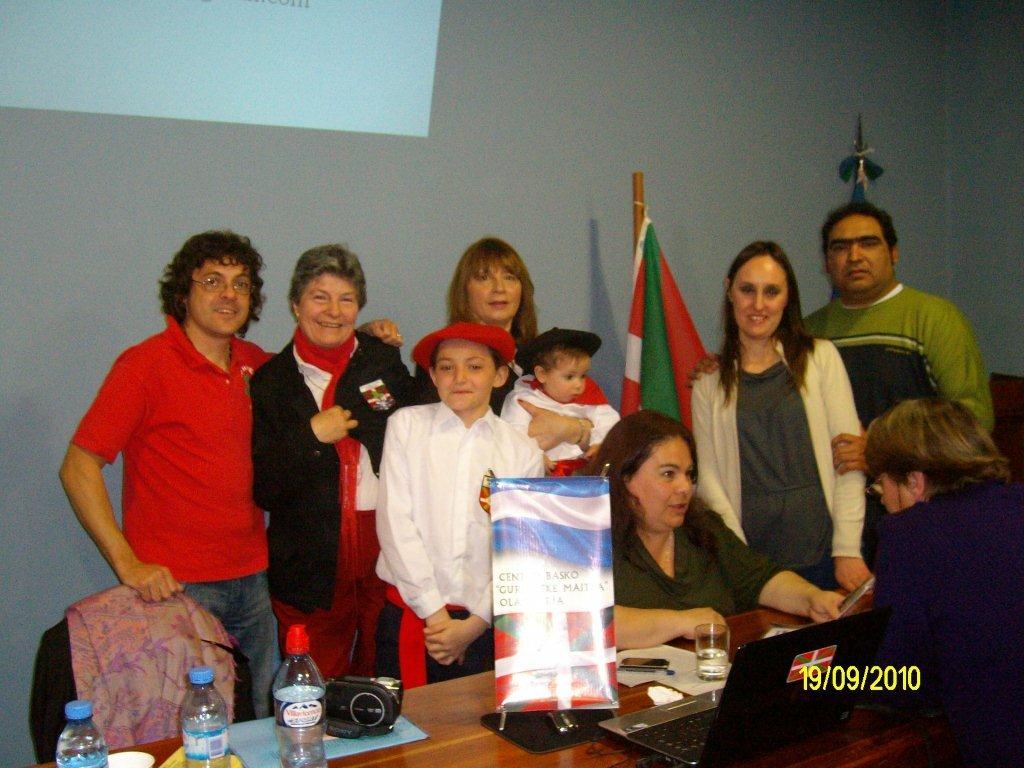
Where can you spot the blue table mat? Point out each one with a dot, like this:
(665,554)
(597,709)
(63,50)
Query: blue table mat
(255,742)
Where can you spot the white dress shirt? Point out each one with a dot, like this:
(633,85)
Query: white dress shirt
(435,539)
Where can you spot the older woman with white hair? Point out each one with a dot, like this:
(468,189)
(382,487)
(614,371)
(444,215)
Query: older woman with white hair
(320,408)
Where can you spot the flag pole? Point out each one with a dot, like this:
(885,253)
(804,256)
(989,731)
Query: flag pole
(638,207)
(662,344)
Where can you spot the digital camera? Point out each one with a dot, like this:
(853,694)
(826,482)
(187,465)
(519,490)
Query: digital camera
(362,706)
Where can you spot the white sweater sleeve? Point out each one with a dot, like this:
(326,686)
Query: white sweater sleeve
(712,455)
(841,413)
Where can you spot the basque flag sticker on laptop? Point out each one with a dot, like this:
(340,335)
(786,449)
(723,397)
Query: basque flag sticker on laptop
(820,658)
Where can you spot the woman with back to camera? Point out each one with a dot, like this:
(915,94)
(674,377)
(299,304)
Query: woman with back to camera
(951,564)
(676,564)
(764,422)
(320,408)
(491,285)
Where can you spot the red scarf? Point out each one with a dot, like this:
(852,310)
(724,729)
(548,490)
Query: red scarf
(592,394)
(335,362)
(568,467)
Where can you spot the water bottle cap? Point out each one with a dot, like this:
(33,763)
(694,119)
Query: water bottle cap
(200,675)
(297,641)
(78,710)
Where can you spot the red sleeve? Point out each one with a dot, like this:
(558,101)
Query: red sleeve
(115,414)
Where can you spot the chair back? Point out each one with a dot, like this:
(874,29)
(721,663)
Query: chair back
(131,660)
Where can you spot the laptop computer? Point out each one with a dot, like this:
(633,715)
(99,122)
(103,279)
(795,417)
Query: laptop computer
(763,704)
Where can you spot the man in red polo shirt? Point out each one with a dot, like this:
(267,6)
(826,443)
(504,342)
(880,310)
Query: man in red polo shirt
(177,408)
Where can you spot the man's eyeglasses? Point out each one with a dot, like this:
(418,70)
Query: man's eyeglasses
(842,246)
(216,283)
(874,490)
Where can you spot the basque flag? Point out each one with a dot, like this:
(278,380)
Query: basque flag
(822,657)
(663,345)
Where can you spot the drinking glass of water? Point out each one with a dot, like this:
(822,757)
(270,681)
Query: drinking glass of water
(711,643)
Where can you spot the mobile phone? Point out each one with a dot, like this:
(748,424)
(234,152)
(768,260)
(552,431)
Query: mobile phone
(641,664)
(851,599)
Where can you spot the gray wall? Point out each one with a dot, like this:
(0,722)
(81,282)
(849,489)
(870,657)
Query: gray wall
(737,113)
(984,116)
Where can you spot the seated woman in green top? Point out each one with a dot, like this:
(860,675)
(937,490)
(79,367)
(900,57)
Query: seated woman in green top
(676,564)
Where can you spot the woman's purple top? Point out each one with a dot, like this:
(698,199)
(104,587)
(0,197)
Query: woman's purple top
(952,569)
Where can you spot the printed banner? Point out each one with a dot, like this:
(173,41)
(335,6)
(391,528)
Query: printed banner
(554,633)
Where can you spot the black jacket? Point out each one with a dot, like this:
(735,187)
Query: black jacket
(295,476)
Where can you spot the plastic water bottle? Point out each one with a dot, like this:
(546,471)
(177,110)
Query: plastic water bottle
(299,705)
(204,723)
(80,744)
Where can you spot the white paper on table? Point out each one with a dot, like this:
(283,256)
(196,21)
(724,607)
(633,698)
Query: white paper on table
(682,663)
(779,629)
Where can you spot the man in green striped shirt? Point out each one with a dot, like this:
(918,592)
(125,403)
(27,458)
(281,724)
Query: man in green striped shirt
(896,342)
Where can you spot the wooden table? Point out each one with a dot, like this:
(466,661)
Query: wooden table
(450,714)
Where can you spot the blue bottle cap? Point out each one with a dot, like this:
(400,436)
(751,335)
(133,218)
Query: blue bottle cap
(79,709)
(200,675)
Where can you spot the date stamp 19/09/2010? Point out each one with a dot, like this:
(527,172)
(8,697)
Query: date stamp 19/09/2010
(869,678)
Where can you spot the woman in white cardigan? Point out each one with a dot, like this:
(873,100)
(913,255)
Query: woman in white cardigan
(764,422)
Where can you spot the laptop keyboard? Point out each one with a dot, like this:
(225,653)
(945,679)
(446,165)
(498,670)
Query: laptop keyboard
(682,739)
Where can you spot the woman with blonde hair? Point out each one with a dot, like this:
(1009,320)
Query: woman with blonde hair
(951,565)
(491,285)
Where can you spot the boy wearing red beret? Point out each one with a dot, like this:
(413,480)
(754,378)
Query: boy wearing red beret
(435,538)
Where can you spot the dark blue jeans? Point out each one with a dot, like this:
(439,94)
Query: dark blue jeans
(243,607)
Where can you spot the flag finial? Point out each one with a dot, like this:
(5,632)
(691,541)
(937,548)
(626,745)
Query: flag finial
(858,166)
